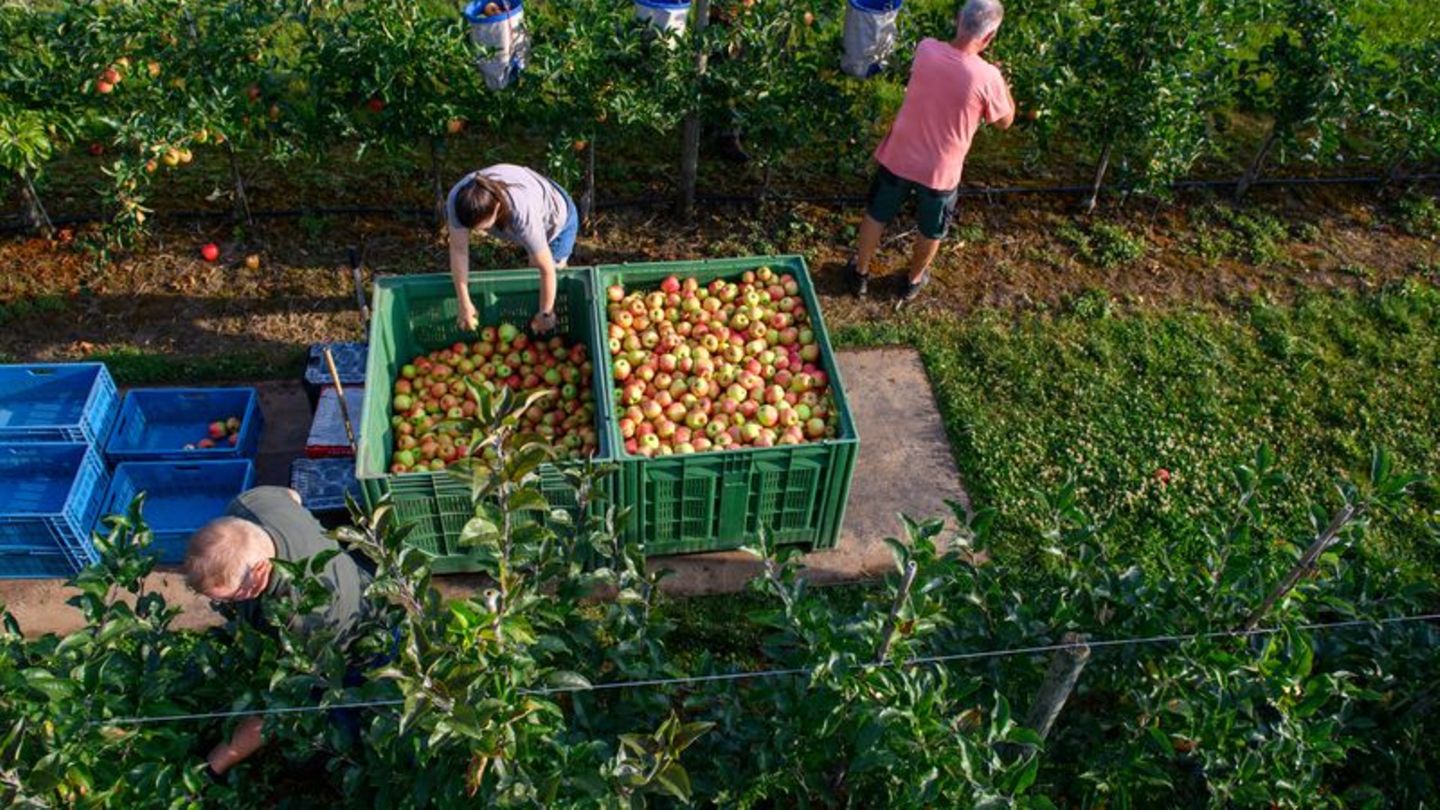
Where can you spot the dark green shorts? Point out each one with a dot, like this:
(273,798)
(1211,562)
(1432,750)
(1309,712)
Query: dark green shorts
(933,209)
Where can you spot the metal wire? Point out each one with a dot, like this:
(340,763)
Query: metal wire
(792,672)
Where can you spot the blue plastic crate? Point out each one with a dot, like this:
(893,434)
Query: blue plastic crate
(155,424)
(350,361)
(62,402)
(323,482)
(51,497)
(180,497)
(327,437)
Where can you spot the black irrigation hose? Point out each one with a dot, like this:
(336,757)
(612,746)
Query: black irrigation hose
(16,225)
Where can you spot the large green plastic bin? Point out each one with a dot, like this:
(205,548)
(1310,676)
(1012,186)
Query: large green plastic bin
(720,500)
(412,315)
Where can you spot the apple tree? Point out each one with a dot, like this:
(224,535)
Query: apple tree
(398,76)
(1303,77)
(1136,81)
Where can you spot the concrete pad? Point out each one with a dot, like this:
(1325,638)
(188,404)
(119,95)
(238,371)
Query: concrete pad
(904,466)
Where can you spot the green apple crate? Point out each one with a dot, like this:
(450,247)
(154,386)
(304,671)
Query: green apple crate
(413,315)
(720,500)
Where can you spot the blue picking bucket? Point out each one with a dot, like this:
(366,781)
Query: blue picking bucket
(668,17)
(501,37)
(871,34)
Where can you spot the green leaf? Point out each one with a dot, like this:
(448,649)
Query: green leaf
(688,734)
(529,499)
(1026,776)
(675,780)
(564,679)
(43,680)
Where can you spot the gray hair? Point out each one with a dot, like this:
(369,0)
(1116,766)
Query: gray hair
(979,17)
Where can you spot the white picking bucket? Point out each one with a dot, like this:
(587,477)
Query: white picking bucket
(498,28)
(871,32)
(668,17)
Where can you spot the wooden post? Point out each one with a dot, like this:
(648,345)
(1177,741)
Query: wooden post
(887,633)
(1307,561)
(340,397)
(1060,679)
(690,146)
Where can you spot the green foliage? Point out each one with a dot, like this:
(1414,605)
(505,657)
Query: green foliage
(1305,77)
(1419,215)
(1221,231)
(1136,82)
(1103,244)
(1145,83)
(30,307)
(526,693)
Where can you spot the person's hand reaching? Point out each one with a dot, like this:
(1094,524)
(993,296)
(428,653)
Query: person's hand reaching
(467,318)
(543,323)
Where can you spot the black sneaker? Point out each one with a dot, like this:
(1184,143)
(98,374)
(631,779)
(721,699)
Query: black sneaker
(860,282)
(913,288)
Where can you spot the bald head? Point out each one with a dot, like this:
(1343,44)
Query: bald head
(220,553)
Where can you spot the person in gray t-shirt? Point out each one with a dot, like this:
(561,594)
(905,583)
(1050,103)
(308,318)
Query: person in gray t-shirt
(229,560)
(520,206)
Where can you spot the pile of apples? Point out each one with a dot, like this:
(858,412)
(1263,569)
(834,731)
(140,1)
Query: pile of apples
(221,431)
(431,391)
(723,366)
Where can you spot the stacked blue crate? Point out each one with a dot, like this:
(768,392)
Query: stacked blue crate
(54,420)
(52,495)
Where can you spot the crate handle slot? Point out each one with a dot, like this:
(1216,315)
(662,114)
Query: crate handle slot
(186,468)
(42,372)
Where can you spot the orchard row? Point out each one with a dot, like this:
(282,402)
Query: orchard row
(1145,87)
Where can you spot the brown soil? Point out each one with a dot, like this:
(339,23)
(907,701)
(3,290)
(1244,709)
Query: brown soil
(1005,252)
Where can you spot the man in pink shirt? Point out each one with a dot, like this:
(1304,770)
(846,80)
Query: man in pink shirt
(951,91)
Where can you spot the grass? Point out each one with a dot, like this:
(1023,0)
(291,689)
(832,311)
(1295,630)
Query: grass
(135,367)
(1031,400)
(1103,244)
(26,307)
(1220,231)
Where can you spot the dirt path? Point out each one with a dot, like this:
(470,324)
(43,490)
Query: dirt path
(1018,252)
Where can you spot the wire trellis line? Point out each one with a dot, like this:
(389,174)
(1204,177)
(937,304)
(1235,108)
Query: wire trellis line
(797,671)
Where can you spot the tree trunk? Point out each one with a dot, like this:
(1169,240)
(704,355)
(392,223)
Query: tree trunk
(242,203)
(887,633)
(35,214)
(1307,561)
(587,191)
(1060,680)
(1393,171)
(1252,172)
(690,146)
(436,184)
(1100,171)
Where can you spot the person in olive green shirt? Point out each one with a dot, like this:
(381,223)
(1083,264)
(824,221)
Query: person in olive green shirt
(229,560)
